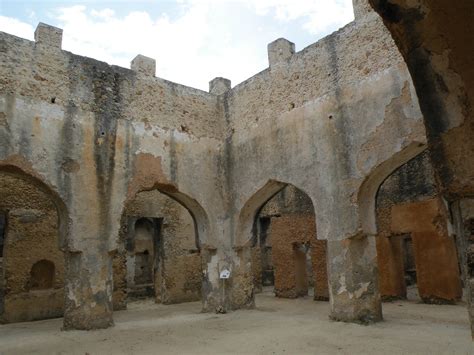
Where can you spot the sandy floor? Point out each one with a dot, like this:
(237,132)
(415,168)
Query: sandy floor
(277,326)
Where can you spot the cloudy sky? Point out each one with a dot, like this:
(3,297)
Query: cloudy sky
(192,41)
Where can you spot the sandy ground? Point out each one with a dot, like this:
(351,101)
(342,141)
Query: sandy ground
(277,326)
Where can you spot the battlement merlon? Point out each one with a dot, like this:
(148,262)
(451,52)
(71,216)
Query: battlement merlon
(143,65)
(219,86)
(46,35)
(279,52)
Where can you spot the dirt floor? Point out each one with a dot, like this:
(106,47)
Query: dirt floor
(277,326)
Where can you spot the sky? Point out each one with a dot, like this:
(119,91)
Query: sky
(192,41)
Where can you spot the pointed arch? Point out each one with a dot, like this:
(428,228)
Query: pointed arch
(197,212)
(250,210)
(368,190)
(61,208)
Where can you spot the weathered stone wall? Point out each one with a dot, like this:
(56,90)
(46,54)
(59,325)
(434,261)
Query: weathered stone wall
(432,37)
(31,237)
(333,120)
(325,119)
(408,202)
(93,134)
(436,261)
(287,232)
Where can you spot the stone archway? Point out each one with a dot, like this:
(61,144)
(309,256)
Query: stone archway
(33,264)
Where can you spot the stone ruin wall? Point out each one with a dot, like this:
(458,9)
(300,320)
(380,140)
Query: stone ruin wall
(292,221)
(408,203)
(321,119)
(32,237)
(324,116)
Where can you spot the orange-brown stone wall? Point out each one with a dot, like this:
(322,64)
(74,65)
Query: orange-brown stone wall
(408,204)
(436,261)
(285,231)
(31,236)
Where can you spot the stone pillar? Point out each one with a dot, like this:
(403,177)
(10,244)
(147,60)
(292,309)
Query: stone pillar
(463,225)
(352,276)
(391,269)
(242,281)
(88,290)
(212,297)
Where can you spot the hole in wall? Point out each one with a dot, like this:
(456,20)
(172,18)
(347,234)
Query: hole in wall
(42,275)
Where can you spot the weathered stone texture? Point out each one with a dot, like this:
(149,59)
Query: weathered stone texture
(323,119)
(291,228)
(408,202)
(31,237)
(178,268)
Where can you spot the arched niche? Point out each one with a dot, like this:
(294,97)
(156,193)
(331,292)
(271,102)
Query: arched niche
(368,190)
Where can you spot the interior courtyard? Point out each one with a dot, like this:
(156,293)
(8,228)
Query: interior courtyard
(324,205)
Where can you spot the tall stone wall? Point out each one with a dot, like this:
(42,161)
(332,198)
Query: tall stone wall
(96,135)
(326,119)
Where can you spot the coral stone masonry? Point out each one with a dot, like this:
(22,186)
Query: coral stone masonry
(322,172)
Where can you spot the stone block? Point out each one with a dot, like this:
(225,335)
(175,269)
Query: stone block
(219,86)
(48,35)
(144,65)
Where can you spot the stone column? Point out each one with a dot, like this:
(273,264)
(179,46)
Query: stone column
(242,281)
(88,290)
(352,277)
(463,225)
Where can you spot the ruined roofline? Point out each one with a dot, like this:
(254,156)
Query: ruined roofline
(51,36)
(115,67)
(313,47)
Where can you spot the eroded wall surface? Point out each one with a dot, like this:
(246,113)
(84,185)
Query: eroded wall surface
(432,37)
(31,237)
(178,274)
(96,135)
(408,203)
(333,120)
(292,229)
(324,119)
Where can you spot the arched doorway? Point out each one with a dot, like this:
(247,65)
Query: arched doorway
(31,263)
(416,254)
(159,256)
(287,258)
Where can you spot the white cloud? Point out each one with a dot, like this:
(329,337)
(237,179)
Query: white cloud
(209,38)
(319,16)
(16,27)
